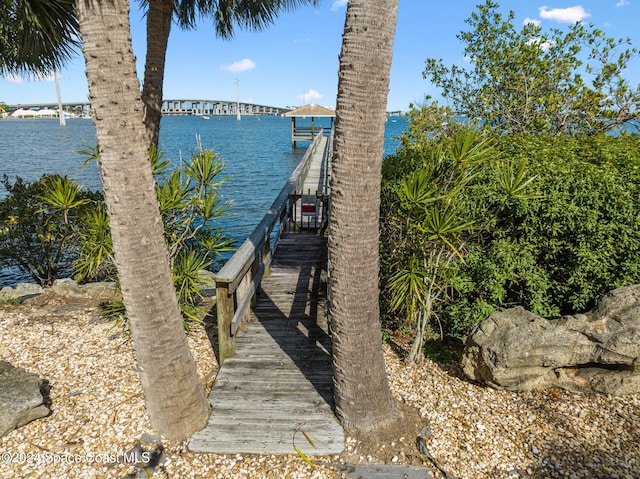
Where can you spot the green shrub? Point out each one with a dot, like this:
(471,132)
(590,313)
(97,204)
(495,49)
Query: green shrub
(557,225)
(425,227)
(38,225)
(560,252)
(190,205)
(52,227)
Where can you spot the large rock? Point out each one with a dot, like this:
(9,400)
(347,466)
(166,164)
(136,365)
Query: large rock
(21,399)
(595,352)
(65,287)
(21,291)
(69,288)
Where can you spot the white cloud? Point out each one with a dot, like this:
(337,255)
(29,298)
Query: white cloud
(564,15)
(544,46)
(337,4)
(308,96)
(623,3)
(533,21)
(240,66)
(46,77)
(14,79)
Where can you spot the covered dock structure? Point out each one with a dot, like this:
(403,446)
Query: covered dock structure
(306,132)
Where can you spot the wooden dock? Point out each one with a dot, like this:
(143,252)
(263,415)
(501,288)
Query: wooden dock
(314,190)
(316,179)
(276,393)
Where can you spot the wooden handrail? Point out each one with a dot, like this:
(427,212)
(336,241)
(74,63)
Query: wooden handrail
(239,279)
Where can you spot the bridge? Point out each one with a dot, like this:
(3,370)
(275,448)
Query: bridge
(217,107)
(274,391)
(175,107)
(79,107)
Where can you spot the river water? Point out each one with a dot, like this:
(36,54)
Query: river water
(256,151)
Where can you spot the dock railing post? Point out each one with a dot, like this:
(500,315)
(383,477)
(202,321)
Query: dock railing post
(225,311)
(242,291)
(266,256)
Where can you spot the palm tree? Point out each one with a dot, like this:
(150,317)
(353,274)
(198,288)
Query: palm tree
(174,397)
(36,37)
(363,400)
(226,14)
(40,36)
(175,400)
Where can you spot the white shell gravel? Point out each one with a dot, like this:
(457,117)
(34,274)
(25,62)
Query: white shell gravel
(98,415)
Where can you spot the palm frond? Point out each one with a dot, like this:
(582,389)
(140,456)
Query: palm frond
(227,14)
(37,36)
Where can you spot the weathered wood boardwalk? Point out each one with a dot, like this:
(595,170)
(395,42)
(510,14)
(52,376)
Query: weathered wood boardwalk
(276,393)
(315,188)
(316,178)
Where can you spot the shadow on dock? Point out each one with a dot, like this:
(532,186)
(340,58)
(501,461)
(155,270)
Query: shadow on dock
(276,393)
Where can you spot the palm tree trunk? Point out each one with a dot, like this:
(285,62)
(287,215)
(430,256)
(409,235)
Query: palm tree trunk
(159,17)
(363,399)
(175,400)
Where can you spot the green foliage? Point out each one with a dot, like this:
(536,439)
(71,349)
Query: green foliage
(425,225)
(51,227)
(37,37)
(227,16)
(554,242)
(558,251)
(536,81)
(63,195)
(95,252)
(38,225)
(190,205)
(429,122)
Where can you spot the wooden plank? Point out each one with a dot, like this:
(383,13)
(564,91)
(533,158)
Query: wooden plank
(258,407)
(291,348)
(282,430)
(281,386)
(255,444)
(224,306)
(281,377)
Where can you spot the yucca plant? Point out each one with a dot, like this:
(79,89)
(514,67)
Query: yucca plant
(62,194)
(433,226)
(95,254)
(191,205)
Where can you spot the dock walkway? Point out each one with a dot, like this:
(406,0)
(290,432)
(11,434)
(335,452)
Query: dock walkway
(279,385)
(274,391)
(315,188)
(317,176)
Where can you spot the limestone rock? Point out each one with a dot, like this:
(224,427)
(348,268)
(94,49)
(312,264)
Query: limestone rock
(65,287)
(69,288)
(21,399)
(207,283)
(594,352)
(21,291)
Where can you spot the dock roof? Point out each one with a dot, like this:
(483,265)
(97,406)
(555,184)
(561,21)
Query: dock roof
(312,110)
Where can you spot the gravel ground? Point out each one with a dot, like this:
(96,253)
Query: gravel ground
(98,416)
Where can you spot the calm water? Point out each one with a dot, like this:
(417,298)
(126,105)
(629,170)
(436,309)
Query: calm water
(256,152)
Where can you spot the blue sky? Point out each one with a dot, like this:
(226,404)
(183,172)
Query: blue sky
(295,61)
